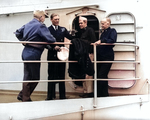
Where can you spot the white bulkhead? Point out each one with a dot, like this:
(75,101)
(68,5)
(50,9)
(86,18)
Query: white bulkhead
(129,98)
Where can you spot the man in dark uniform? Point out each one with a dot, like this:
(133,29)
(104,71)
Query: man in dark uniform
(88,35)
(105,53)
(56,71)
(34,31)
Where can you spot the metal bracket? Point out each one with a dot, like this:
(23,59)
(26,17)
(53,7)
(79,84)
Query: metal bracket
(82,109)
(82,114)
(141,102)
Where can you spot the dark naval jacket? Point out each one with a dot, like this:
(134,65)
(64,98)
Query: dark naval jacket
(57,70)
(79,52)
(106,51)
(59,34)
(34,31)
(88,35)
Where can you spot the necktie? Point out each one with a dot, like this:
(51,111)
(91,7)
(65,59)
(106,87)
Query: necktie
(56,27)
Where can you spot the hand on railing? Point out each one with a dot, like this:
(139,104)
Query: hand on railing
(98,42)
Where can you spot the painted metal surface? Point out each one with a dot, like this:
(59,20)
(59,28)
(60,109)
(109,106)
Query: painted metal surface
(107,108)
(125,25)
(20,12)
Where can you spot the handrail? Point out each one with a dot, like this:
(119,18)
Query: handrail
(26,42)
(68,43)
(95,65)
(68,80)
(45,61)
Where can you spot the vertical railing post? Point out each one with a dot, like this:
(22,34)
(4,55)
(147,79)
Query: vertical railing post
(95,78)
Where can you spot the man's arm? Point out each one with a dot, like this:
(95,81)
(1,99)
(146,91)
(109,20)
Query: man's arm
(111,38)
(19,33)
(67,35)
(92,35)
(46,35)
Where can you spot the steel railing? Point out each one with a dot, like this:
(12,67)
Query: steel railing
(68,43)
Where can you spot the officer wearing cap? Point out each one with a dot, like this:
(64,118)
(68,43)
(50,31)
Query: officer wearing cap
(34,31)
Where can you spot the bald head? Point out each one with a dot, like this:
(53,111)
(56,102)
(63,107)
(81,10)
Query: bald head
(82,22)
(106,20)
(105,23)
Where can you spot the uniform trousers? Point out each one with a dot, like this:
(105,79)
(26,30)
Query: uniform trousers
(31,71)
(56,71)
(102,73)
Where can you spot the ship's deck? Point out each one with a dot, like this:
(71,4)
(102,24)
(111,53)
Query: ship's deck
(7,96)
